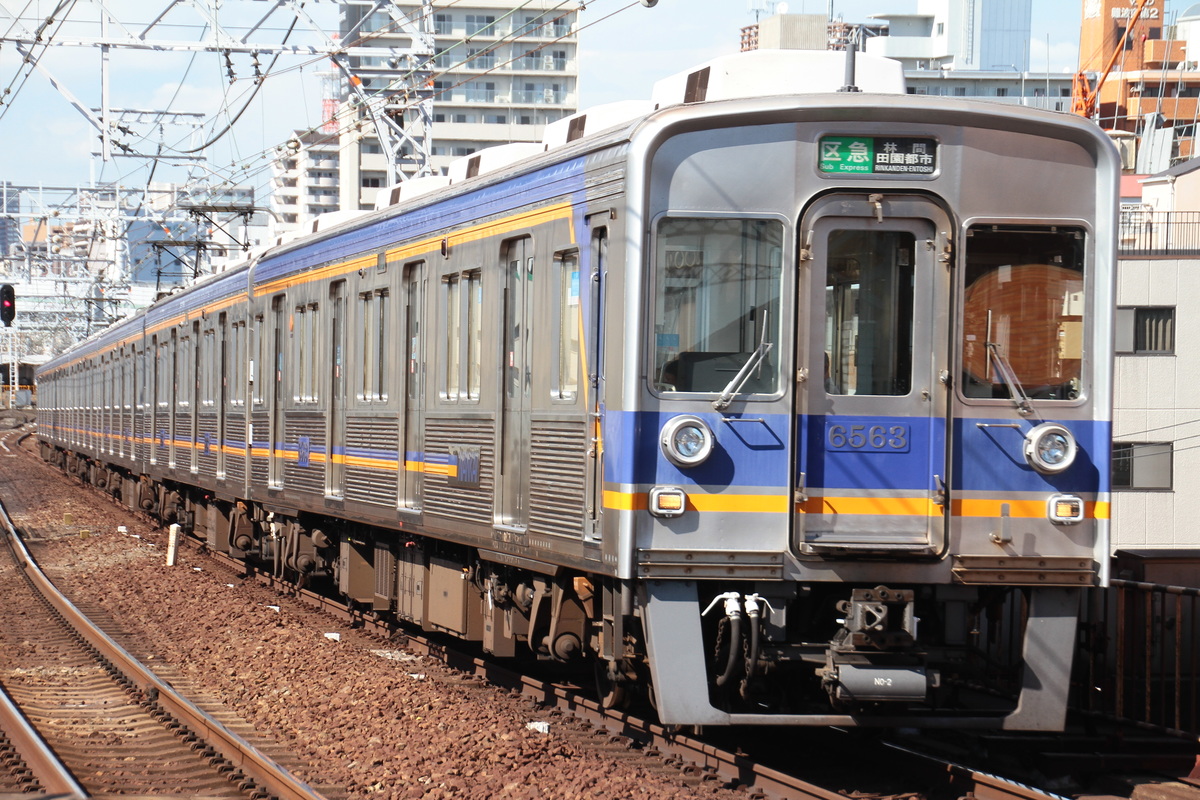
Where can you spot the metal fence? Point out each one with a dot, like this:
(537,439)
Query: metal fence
(1139,656)
(1159,233)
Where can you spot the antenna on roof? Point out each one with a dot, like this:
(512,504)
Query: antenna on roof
(851,51)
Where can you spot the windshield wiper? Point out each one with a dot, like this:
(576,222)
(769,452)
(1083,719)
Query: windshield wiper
(1009,376)
(760,352)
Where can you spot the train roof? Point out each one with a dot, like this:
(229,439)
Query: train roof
(485,183)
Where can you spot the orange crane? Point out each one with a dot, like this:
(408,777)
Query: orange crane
(1084,97)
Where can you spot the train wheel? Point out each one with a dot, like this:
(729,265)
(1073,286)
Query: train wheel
(611,691)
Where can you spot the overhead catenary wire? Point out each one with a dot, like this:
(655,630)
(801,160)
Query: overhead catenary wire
(348,118)
(244,170)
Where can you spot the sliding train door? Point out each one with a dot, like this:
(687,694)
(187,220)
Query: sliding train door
(335,453)
(873,444)
(517,380)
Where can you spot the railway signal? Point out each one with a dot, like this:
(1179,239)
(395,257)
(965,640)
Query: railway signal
(8,304)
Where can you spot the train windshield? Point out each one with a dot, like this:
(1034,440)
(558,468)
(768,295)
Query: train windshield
(1023,313)
(716,305)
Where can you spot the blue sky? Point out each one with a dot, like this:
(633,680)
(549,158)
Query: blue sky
(643,44)
(623,51)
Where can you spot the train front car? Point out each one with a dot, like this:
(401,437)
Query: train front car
(869,435)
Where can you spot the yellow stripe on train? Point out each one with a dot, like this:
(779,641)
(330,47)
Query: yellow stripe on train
(849,506)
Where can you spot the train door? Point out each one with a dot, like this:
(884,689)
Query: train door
(594,370)
(222,379)
(517,390)
(412,289)
(872,447)
(195,354)
(275,424)
(335,464)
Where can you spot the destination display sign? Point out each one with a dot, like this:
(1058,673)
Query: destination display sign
(875,155)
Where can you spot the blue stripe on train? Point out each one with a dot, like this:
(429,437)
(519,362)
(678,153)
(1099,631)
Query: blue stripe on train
(852,452)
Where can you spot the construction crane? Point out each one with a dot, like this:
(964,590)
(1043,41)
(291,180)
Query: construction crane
(1085,97)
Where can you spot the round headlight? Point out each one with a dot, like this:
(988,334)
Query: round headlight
(686,441)
(1050,448)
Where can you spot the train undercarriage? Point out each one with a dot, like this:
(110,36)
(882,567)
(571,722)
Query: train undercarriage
(770,648)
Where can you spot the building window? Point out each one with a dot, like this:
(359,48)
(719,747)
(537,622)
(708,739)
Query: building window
(443,24)
(1141,465)
(1146,330)
(372,183)
(481,58)
(1001,91)
(941,29)
(481,92)
(480,23)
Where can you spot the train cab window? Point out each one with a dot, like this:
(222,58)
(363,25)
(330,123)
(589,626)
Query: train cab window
(869,312)
(716,304)
(1023,313)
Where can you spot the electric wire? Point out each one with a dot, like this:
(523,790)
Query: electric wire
(8,95)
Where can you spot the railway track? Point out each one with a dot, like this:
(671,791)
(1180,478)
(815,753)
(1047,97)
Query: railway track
(112,726)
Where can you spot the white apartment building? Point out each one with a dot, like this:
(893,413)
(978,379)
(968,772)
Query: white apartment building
(503,70)
(305,179)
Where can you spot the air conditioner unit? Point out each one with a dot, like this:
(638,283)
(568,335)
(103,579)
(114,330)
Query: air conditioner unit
(548,62)
(503,98)
(548,96)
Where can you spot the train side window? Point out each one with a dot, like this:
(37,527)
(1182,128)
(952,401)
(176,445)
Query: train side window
(1023,312)
(568,324)
(373,312)
(208,370)
(414,357)
(716,304)
(453,356)
(305,332)
(185,378)
(237,364)
(259,367)
(474,298)
(162,373)
(869,312)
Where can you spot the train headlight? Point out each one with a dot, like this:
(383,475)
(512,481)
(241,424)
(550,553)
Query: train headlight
(686,441)
(1050,448)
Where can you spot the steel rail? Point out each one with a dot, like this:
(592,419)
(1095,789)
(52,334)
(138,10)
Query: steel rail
(253,764)
(44,765)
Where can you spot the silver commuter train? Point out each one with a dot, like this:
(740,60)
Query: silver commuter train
(766,406)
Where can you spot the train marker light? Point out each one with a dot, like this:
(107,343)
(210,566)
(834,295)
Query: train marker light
(667,501)
(1050,448)
(1065,508)
(8,304)
(686,441)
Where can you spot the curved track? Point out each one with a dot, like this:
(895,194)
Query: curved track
(118,729)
